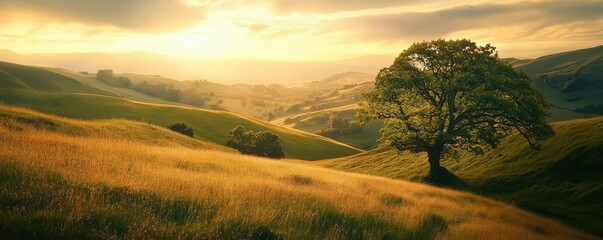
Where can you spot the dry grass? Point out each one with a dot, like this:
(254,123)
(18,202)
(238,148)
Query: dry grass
(69,186)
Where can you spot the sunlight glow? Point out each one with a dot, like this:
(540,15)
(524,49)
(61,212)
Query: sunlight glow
(260,30)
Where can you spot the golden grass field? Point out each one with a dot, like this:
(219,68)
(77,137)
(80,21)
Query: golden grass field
(67,184)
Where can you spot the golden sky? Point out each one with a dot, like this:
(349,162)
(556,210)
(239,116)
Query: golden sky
(294,30)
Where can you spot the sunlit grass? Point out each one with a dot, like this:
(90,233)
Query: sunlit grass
(568,164)
(56,185)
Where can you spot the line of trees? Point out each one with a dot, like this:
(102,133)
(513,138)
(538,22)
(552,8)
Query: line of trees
(106,76)
(160,90)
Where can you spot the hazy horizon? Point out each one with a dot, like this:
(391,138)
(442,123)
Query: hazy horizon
(276,33)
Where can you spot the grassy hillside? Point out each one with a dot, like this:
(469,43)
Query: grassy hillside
(341,79)
(68,186)
(316,120)
(211,126)
(562,180)
(90,80)
(313,114)
(26,77)
(568,80)
(250,100)
(115,129)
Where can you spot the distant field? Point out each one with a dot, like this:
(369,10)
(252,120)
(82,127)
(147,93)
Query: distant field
(562,180)
(211,126)
(59,184)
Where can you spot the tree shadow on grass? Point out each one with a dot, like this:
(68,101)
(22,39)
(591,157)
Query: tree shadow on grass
(446,179)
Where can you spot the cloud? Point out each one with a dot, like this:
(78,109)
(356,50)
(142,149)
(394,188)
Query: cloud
(428,25)
(321,6)
(136,15)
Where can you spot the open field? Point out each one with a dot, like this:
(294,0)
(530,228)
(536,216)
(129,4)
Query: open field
(562,180)
(61,185)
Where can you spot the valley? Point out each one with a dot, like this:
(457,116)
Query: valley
(105,149)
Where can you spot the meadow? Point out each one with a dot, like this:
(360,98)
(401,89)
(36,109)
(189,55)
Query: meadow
(62,183)
(561,180)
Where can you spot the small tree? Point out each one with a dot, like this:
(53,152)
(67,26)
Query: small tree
(241,140)
(182,129)
(267,145)
(104,74)
(263,144)
(442,96)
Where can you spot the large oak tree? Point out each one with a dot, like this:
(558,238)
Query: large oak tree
(443,96)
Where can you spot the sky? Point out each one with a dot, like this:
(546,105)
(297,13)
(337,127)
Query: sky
(306,30)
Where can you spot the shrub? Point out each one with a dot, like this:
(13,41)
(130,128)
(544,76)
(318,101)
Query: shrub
(182,129)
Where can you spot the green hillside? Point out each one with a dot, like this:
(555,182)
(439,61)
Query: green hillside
(312,115)
(211,126)
(62,179)
(314,121)
(562,180)
(91,80)
(569,80)
(246,99)
(34,78)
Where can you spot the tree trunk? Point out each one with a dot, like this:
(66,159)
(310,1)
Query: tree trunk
(433,156)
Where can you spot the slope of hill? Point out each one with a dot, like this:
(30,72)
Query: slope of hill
(65,186)
(250,100)
(315,121)
(569,80)
(313,114)
(91,80)
(116,129)
(562,180)
(211,126)
(26,77)
(341,79)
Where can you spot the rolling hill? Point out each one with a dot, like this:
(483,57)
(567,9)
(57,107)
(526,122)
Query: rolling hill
(568,80)
(562,180)
(211,126)
(62,179)
(58,94)
(115,129)
(254,100)
(340,97)
(34,78)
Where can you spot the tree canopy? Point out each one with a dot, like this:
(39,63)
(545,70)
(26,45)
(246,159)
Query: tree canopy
(263,144)
(443,96)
